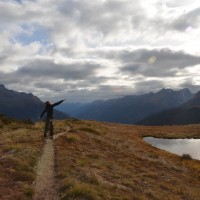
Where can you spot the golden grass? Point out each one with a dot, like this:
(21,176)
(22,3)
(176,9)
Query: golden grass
(71,138)
(117,164)
(97,160)
(20,148)
(77,190)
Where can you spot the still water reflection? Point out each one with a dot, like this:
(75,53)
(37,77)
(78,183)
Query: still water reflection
(177,146)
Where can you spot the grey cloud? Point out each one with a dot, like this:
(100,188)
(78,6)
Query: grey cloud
(52,86)
(159,25)
(150,84)
(9,12)
(188,20)
(71,23)
(102,92)
(11,78)
(114,92)
(163,62)
(74,93)
(47,74)
(155,62)
(164,57)
(3,58)
(134,68)
(189,83)
(14,12)
(104,17)
(71,86)
(146,86)
(49,69)
(139,21)
(147,70)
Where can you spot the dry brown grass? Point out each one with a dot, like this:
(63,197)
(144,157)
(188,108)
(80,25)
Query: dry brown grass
(20,147)
(117,164)
(97,160)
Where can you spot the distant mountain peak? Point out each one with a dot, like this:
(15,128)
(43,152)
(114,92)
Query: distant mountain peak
(168,90)
(165,91)
(185,90)
(195,101)
(197,94)
(1,85)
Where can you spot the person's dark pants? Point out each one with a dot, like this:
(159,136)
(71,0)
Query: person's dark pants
(48,126)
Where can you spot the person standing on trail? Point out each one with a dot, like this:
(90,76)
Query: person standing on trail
(49,117)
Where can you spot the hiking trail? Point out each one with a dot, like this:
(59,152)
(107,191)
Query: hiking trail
(45,186)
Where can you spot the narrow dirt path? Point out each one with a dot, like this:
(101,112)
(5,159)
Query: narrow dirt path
(45,187)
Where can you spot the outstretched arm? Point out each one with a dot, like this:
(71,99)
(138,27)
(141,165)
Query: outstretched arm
(57,103)
(43,113)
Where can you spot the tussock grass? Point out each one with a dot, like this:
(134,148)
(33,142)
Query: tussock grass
(87,177)
(71,138)
(20,148)
(79,191)
(92,127)
(118,164)
(99,161)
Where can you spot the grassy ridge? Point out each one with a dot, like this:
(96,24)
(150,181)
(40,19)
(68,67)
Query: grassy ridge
(111,161)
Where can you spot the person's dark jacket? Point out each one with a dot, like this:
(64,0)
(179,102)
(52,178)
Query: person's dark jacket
(49,109)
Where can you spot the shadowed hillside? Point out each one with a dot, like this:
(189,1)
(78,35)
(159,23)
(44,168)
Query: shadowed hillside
(187,113)
(131,109)
(20,105)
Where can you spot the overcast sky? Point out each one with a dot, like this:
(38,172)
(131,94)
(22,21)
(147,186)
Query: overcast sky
(85,50)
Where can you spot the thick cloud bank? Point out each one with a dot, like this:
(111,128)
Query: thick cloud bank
(100,49)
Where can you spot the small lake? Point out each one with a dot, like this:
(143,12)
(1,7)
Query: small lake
(177,146)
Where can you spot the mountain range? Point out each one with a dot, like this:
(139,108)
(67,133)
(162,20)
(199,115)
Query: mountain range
(165,107)
(132,109)
(187,113)
(20,105)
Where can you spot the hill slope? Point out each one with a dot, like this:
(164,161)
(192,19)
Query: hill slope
(111,161)
(131,109)
(187,113)
(20,105)
(97,161)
